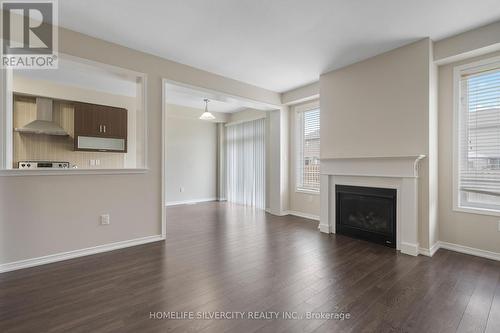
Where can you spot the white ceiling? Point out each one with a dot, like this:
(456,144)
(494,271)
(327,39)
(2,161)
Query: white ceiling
(278,44)
(193,98)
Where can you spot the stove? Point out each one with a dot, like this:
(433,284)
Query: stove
(42,165)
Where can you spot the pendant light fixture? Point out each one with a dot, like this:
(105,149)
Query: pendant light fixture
(207,115)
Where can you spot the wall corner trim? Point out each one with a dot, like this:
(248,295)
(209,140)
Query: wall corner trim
(51,258)
(325,228)
(429,252)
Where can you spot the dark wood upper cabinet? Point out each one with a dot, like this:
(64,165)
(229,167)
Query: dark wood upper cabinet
(86,120)
(114,121)
(94,122)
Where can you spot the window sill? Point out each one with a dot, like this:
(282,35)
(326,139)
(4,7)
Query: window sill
(67,172)
(477,211)
(305,191)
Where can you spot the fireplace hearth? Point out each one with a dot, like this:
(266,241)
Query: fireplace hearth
(367,213)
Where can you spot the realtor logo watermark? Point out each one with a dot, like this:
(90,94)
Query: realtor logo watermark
(29,34)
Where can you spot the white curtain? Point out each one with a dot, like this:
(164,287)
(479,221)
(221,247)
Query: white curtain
(246,163)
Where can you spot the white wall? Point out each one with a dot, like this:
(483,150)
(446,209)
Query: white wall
(377,107)
(35,224)
(191,158)
(273,163)
(221,162)
(473,230)
(302,94)
(245,115)
(432,199)
(300,202)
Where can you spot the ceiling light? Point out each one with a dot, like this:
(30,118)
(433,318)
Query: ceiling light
(207,115)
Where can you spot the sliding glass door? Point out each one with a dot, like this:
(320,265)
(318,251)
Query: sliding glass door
(246,163)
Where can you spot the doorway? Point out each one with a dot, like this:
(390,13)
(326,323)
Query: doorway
(221,157)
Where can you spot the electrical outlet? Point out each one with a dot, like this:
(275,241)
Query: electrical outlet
(498,226)
(181,189)
(105,219)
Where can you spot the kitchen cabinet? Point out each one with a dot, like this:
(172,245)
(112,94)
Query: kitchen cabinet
(100,128)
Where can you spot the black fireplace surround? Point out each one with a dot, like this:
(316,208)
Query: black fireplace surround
(367,213)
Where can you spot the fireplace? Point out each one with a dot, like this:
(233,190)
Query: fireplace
(367,213)
(384,172)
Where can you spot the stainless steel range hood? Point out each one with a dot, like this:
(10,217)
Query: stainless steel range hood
(43,123)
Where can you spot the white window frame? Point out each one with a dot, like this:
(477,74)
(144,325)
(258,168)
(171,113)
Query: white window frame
(298,109)
(6,115)
(458,71)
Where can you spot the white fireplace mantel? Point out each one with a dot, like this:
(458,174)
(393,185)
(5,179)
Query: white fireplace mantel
(396,172)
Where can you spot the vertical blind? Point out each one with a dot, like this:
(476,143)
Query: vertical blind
(479,169)
(308,141)
(245,149)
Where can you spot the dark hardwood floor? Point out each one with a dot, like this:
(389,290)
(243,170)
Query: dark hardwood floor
(221,257)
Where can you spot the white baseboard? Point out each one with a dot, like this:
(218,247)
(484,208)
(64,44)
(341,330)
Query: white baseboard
(11,266)
(470,250)
(409,248)
(189,202)
(292,212)
(304,215)
(429,252)
(273,212)
(324,228)
(459,248)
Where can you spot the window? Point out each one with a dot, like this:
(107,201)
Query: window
(307,143)
(478,105)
